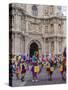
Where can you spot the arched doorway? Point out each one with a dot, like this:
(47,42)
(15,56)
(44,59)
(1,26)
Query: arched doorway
(33,48)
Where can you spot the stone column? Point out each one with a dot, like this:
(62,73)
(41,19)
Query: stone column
(17,22)
(13,44)
(26,26)
(49,46)
(63,44)
(55,28)
(26,45)
(17,44)
(22,44)
(42,51)
(44,46)
(55,47)
(43,29)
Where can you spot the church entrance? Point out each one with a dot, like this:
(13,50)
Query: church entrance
(33,49)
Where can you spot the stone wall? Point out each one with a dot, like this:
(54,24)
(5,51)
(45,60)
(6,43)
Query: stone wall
(48,31)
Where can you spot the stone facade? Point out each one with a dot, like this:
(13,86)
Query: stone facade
(41,24)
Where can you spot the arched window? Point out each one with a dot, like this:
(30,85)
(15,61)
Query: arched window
(34,10)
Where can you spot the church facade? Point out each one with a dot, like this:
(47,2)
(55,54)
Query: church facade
(39,28)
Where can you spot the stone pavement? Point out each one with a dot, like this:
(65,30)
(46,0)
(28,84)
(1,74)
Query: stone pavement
(43,79)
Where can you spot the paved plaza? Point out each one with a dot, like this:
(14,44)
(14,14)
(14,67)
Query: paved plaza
(43,79)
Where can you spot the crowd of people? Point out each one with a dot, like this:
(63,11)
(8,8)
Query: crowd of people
(20,64)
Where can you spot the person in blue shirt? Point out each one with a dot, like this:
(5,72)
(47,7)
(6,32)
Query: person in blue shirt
(34,59)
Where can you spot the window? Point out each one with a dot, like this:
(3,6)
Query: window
(60,46)
(51,9)
(34,10)
(46,29)
(46,12)
(59,8)
(52,28)
(59,28)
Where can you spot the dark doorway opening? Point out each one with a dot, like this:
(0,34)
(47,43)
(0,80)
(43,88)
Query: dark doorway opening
(33,48)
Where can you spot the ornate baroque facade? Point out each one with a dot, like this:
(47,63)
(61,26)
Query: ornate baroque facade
(39,27)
